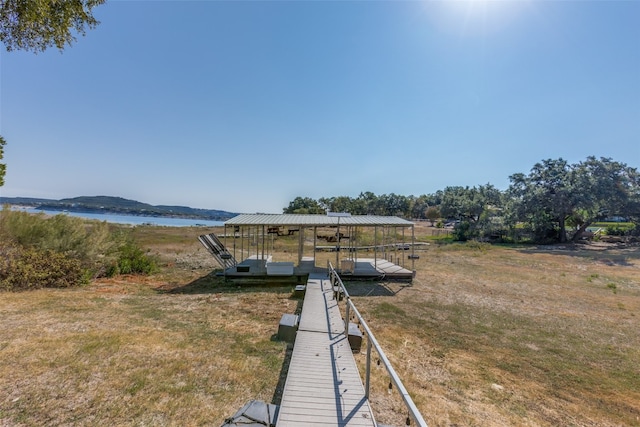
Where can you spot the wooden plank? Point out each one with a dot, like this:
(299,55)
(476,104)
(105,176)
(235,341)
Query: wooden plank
(320,311)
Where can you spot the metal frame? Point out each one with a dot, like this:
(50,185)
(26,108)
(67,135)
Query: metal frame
(257,223)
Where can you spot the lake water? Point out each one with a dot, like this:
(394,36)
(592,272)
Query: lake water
(134,219)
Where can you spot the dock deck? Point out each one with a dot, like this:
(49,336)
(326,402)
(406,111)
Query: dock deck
(323,386)
(362,269)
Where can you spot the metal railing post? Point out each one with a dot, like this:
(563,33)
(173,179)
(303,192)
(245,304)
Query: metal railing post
(346,317)
(368,374)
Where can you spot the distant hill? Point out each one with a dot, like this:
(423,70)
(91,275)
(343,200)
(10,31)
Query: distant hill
(118,205)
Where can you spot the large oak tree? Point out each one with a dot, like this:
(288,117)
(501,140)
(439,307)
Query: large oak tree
(35,25)
(556,193)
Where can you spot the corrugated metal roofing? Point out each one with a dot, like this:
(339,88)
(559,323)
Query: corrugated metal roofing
(316,220)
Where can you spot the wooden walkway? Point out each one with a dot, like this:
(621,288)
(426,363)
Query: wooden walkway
(323,386)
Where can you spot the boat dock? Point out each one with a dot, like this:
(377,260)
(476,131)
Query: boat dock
(252,242)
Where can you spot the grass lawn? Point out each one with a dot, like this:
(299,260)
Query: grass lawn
(485,336)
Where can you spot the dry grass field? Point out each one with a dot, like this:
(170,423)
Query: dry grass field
(485,336)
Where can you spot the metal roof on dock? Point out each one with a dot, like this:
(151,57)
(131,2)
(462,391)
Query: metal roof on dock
(317,220)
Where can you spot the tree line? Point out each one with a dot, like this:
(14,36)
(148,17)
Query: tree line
(555,202)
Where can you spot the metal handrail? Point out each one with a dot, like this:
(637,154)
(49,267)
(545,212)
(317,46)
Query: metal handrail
(372,342)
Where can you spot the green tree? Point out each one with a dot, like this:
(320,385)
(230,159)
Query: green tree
(612,188)
(473,207)
(468,204)
(303,205)
(419,206)
(3,167)
(35,25)
(545,198)
(555,195)
(366,203)
(396,204)
(337,204)
(432,213)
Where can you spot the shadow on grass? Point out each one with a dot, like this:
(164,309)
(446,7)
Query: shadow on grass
(607,254)
(276,399)
(373,289)
(212,284)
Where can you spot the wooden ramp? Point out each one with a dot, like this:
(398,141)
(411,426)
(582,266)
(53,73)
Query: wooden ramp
(323,386)
(217,249)
(371,268)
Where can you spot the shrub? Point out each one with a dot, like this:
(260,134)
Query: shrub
(30,268)
(89,242)
(620,230)
(62,251)
(462,231)
(132,260)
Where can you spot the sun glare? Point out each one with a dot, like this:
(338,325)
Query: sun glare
(475,17)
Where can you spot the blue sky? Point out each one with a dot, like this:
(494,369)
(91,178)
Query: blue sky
(244,105)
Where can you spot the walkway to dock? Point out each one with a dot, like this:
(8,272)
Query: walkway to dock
(323,386)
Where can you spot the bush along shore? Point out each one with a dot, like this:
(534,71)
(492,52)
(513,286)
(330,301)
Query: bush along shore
(37,251)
